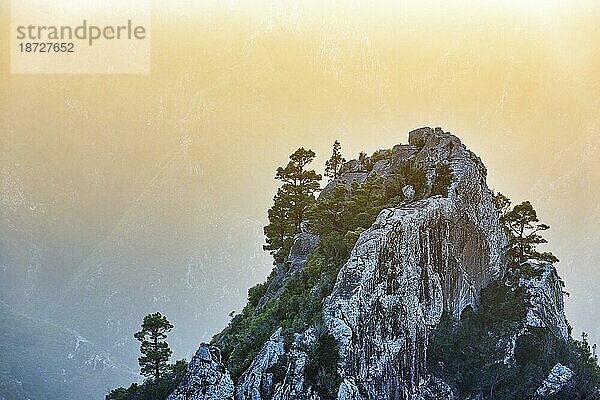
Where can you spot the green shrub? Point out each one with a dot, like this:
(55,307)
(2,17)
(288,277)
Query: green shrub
(469,353)
(339,218)
(152,389)
(408,173)
(321,369)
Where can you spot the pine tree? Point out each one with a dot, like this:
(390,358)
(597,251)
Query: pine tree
(366,202)
(294,196)
(335,162)
(365,161)
(155,351)
(280,231)
(523,228)
(328,213)
(502,204)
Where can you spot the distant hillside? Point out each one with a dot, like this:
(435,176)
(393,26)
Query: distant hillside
(41,361)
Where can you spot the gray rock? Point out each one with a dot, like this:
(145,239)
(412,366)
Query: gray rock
(352,166)
(381,167)
(206,378)
(412,264)
(304,244)
(415,262)
(345,179)
(400,154)
(294,385)
(409,192)
(558,378)
(256,382)
(436,389)
(419,136)
(546,297)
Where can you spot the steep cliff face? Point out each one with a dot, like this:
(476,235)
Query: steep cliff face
(417,261)
(546,299)
(206,377)
(414,262)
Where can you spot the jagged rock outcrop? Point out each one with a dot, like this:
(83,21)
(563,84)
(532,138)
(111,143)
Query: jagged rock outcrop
(416,261)
(293,386)
(558,378)
(546,297)
(257,382)
(206,377)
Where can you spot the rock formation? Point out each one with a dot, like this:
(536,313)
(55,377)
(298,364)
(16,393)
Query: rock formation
(206,377)
(416,261)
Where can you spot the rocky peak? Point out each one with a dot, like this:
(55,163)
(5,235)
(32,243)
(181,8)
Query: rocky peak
(417,260)
(414,262)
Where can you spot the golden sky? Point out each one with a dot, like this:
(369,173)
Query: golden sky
(237,86)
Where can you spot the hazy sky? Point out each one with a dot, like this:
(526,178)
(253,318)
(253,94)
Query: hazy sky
(237,86)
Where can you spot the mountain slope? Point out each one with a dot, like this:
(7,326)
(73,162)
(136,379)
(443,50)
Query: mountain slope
(53,363)
(426,305)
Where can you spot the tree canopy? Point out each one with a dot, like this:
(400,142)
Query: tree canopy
(290,203)
(523,229)
(155,351)
(335,162)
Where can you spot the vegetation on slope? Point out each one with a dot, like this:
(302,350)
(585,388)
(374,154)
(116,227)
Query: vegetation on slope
(162,377)
(152,389)
(338,218)
(470,354)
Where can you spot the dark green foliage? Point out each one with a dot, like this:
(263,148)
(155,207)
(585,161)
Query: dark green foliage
(522,226)
(469,354)
(295,309)
(335,162)
(280,368)
(380,155)
(442,180)
(343,211)
(502,204)
(280,231)
(366,202)
(329,213)
(321,369)
(155,351)
(338,217)
(256,292)
(465,353)
(408,173)
(366,162)
(289,204)
(152,389)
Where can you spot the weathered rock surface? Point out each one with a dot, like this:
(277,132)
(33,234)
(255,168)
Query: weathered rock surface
(206,378)
(294,385)
(546,297)
(558,378)
(414,262)
(257,382)
(304,244)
